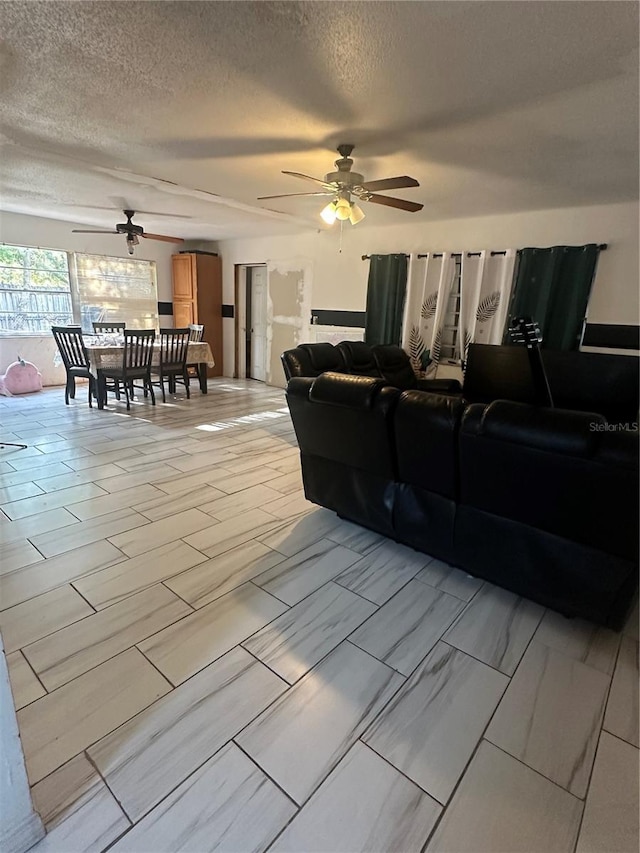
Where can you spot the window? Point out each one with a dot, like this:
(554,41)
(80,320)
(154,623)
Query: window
(450,348)
(34,290)
(112,289)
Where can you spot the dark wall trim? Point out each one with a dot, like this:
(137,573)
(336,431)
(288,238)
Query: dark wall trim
(611,336)
(165,309)
(228,311)
(353,319)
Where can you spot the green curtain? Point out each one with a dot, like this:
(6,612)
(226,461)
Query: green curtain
(385,299)
(553,286)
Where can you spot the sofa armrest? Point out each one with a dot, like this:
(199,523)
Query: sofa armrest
(440,386)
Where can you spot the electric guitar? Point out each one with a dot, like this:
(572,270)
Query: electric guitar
(525,330)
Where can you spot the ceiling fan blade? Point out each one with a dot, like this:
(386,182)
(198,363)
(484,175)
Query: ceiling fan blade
(324,184)
(398,183)
(79,231)
(288,195)
(163,237)
(400,203)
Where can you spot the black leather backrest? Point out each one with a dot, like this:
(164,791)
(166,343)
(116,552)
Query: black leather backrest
(323,356)
(555,470)
(426,438)
(346,419)
(358,358)
(296,362)
(581,381)
(395,366)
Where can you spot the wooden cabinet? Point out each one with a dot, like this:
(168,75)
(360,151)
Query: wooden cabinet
(197,298)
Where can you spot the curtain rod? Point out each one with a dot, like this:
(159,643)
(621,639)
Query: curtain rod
(601,248)
(367,257)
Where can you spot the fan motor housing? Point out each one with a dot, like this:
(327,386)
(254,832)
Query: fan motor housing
(129,228)
(348,179)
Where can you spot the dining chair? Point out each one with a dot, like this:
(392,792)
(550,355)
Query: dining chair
(196,335)
(136,365)
(75,359)
(174,344)
(99,327)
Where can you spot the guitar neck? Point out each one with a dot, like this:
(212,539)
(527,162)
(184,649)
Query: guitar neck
(541,387)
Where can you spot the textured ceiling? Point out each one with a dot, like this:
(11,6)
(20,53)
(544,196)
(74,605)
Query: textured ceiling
(192,109)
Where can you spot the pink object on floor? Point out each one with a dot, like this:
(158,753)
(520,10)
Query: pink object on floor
(21,377)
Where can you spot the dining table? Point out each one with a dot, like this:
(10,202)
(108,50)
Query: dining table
(107,351)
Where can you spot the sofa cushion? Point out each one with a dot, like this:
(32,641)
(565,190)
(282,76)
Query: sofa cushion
(358,358)
(323,356)
(395,366)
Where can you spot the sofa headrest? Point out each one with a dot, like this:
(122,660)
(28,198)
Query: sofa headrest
(389,355)
(552,430)
(323,356)
(440,410)
(299,386)
(342,389)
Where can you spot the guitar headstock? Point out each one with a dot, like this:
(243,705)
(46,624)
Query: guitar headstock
(525,330)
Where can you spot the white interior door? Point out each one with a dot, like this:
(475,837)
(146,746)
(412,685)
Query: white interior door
(258,366)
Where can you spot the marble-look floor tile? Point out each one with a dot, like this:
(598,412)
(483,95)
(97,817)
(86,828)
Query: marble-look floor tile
(449,579)
(51,500)
(301,737)
(548,687)
(155,533)
(183,729)
(43,522)
(177,483)
(34,473)
(80,814)
(238,482)
(293,536)
(76,535)
(433,724)
(77,478)
(111,585)
(381,573)
(27,622)
(502,806)
(213,578)
(124,482)
(60,725)
(584,641)
(408,626)
(161,505)
(194,462)
(110,503)
(230,506)
(186,647)
(34,580)
(496,628)
(78,648)
(308,570)
(24,684)
(363,806)
(227,805)
(288,506)
(357,538)
(621,718)
(611,811)
(14,495)
(225,535)
(17,554)
(297,640)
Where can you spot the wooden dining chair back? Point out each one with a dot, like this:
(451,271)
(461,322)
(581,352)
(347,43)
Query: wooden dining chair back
(136,365)
(74,357)
(101,328)
(196,336)
(174,345)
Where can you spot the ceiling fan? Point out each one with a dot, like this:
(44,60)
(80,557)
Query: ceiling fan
(344,184)
(133,232)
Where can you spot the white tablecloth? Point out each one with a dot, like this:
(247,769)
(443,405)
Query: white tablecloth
(101,355)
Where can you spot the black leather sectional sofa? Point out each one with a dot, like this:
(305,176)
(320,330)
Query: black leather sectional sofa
(540,501)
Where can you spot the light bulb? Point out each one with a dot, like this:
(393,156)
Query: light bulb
(357,214)
(130,245)
(343,209)
(328,213)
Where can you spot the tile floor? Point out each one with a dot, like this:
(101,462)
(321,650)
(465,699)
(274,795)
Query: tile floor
(203,660)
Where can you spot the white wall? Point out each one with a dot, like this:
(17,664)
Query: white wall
(19,230)
(339,280)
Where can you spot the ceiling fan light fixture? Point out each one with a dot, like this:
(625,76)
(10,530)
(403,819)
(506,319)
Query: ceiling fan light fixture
(328,213)
(343,209)
(357,214)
